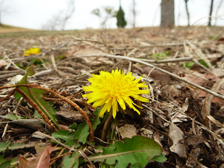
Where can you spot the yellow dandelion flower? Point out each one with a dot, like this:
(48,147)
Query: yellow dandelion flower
(114,89)
(32,51)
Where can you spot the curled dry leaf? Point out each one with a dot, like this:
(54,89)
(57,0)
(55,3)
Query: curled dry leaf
(127,131)
(42,160)
(176,135)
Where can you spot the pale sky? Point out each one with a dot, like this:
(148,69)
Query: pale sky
(36,13)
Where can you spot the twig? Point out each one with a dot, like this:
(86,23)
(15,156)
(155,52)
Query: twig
(6,97)
(156,113)
(15,66)
(79,39)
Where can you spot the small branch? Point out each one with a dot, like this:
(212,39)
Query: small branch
(10,94)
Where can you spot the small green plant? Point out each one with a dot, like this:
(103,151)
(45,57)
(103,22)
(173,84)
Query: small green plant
(159,56)
(188,65)
(71,143)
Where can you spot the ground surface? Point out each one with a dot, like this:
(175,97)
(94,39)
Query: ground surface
(181,66)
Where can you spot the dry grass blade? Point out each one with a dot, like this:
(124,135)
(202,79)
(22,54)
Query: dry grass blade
(208,101)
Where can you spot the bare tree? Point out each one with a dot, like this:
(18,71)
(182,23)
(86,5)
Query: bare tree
(167,14)
(216,13)
(210,13)
(59,20)
(54,23)
(187,12)
(133,12)
(3,10)
(69,12)
(109,13)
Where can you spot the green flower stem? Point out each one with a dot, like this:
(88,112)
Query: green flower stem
(105,126)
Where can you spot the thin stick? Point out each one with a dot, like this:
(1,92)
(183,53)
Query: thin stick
(6,97)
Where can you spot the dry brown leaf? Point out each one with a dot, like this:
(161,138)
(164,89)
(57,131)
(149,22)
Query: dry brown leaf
(176,135)
(3,63)
(42,160)
(127,131)
(156,137)
(190,163)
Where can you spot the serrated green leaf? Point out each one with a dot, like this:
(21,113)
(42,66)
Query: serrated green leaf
(71,161)
(2,158)
(103,165)
(6,164)
(10,116)
(4,146)
(160,158)
(71,143)
(63,134)
(35,95)
(73,126)
(138,150)
(82,133)
(20,146)
(96,120)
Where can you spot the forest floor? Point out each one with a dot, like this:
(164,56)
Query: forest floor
(183,67)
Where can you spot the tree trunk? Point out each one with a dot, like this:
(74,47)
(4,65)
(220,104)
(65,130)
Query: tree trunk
(210,13)
(167,14)
(187,11)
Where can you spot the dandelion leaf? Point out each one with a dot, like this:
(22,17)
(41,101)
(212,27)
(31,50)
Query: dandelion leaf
(63,134)
(82,133)
(137,151)
(4,145)
(35,95)
(96,120)
(71,161)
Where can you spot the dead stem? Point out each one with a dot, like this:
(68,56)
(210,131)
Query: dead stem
(105,126)
(10,94)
